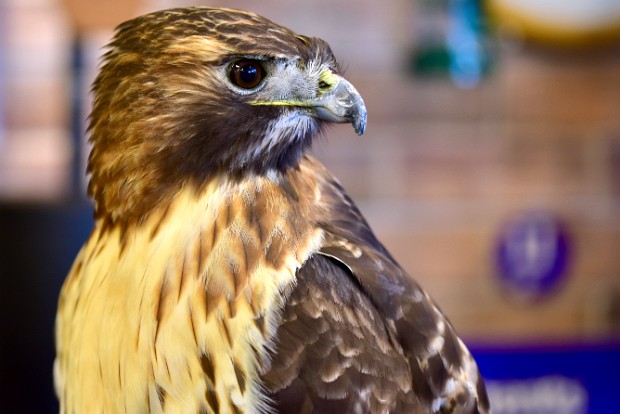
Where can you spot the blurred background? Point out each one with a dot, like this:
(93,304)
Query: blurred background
(490,169)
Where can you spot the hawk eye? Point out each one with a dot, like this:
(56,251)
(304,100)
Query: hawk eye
(246,73)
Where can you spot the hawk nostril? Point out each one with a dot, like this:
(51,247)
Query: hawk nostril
(324,85)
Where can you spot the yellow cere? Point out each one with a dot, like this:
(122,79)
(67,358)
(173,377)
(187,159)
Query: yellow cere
(329,78)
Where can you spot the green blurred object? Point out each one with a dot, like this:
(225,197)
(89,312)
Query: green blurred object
(430,60)
(452,41)
(430,56)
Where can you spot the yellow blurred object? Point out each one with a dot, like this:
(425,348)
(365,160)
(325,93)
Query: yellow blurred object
(572,24)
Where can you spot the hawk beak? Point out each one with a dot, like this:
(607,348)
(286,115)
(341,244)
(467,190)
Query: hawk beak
(340,102)
(337,101)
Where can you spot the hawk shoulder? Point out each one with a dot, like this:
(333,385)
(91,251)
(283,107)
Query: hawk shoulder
(358,333)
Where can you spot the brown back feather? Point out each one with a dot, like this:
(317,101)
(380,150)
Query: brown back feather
(353,294)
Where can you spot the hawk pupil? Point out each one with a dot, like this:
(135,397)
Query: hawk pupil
(247,73)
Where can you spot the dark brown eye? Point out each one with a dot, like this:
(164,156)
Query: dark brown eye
(246,73)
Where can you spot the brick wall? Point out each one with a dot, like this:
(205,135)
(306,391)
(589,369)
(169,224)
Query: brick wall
(438,171)
(443,168)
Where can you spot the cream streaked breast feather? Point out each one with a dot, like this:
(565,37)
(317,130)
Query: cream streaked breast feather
(153,313)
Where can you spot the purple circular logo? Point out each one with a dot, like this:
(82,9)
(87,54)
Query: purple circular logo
(532,254)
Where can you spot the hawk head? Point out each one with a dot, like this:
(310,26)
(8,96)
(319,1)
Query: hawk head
(188,95)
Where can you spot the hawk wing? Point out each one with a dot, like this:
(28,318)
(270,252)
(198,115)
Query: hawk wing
(358,335)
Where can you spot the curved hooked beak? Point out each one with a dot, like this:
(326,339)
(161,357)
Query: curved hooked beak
(341,103)
(337,101)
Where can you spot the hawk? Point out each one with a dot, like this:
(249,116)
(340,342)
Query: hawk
(228,271)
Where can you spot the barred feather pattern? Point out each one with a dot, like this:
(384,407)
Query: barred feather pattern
(228,272)
(177,313)
(359,335)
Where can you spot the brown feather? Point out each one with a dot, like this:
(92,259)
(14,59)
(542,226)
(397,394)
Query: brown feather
(228,271)
(441,374)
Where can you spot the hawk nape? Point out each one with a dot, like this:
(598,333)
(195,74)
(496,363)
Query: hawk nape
(228,271)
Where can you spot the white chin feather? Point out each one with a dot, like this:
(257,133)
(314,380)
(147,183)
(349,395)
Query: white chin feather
(295,125)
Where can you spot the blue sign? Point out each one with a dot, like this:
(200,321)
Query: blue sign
(532,254)
(563,379)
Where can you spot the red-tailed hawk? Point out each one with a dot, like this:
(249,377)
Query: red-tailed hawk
(228,271)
